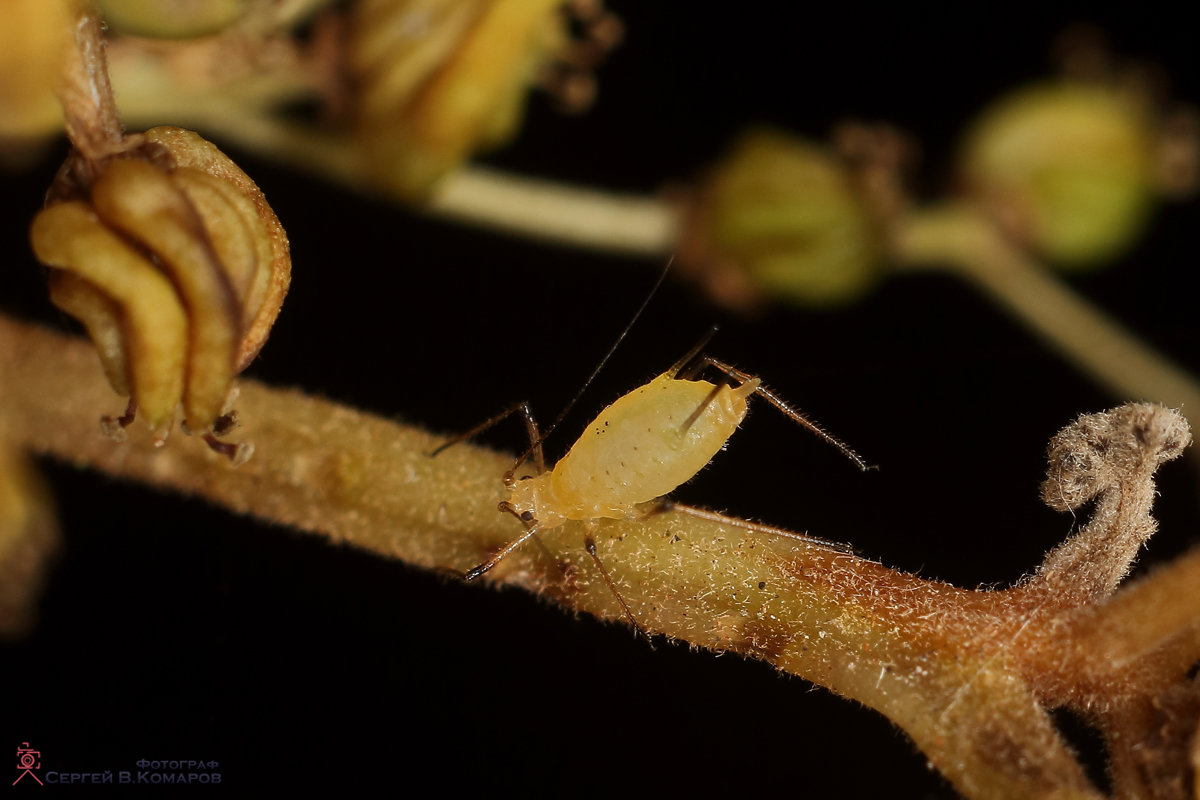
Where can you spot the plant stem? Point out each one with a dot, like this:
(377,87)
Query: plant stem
(89,110)
(897,643)
(959,240)
(953,239)
(537,209)
(559,213)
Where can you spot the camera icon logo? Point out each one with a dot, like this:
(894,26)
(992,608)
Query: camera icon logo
(28,760)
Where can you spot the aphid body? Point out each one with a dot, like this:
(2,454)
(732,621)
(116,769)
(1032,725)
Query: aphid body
(639,449)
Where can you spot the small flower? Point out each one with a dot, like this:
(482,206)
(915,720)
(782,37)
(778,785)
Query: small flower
(171,258)
(437,80)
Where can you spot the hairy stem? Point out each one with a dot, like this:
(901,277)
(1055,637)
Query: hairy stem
(1160,613)
(931,657)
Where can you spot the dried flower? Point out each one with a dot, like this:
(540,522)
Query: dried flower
(439,79)
(172,259)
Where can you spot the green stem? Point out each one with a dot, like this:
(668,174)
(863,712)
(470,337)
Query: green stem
(959,240)
(486,198)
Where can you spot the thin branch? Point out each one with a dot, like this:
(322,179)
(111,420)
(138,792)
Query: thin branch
(955,240)
(89,110)
(960,241)
(557,212)
(537,209)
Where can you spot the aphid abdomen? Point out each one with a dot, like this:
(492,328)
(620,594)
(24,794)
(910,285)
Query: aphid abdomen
(644,445)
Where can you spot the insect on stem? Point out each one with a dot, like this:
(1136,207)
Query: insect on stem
(636,452)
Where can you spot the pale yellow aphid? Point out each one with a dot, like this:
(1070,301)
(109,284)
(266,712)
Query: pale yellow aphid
(637,451)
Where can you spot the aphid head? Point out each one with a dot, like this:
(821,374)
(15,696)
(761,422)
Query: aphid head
(529,501)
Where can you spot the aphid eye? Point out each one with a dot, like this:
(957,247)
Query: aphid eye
(527,516)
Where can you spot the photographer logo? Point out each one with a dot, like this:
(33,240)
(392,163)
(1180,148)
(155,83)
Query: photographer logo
(28,760)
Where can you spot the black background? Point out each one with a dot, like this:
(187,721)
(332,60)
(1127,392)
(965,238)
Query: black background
(173,629)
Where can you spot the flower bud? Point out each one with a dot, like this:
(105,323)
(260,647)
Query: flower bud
(1067,168)
(783,218)
(437,81)
(171,258)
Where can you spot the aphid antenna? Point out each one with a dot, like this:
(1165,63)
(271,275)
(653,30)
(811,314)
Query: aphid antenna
(536,443)
(695,362)
(804,421)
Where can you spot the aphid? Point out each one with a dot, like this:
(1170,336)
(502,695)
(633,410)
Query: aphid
(637,451)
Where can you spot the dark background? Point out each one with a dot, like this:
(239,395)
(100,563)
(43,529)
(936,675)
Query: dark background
(173,629)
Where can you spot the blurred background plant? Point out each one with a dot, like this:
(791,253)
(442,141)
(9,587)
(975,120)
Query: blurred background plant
(922,374)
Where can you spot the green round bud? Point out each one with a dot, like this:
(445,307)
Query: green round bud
(788,216)
(1067,168)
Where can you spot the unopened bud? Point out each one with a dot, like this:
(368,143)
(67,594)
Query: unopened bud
(783,218)
(437,82)
(1067,168)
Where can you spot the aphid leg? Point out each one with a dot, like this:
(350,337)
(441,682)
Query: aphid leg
(589,544)
(526,518)
(500,555)
(775,400)
(712,516)
(535,439)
